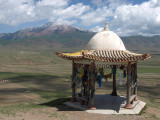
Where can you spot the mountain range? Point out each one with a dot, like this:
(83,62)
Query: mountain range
(52,35)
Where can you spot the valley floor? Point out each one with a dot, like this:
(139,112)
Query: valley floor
(35,89)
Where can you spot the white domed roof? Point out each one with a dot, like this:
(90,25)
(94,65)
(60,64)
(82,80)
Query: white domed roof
(106,40)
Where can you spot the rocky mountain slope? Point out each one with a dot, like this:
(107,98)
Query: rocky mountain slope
(52,35)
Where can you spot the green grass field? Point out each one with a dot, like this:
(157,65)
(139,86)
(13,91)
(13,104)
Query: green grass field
(42,80)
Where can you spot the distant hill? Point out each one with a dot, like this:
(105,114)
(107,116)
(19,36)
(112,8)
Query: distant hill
(52,35)
(48,36)
(142,42)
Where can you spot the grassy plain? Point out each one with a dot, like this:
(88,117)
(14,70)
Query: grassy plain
(38,82)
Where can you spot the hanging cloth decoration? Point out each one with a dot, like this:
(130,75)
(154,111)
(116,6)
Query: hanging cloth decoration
(120,78)
(96,75)
(79,81)
(105,76)
(82,70)
(109,75)
(76,77)
(99,80)
(101,72)
(81,73)
(79,78)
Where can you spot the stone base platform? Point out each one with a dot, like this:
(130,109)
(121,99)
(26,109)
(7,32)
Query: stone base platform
(107,104)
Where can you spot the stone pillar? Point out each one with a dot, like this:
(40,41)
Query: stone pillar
(128,105)
(114,92)
(73,85)
(92,101)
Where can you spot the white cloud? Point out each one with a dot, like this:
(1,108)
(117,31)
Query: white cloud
(54,3)
(20,11)
(141,19)
(112,4)
(97,29)
(96,16)
(73,11)
(123,17)
(98,2)
(12,12)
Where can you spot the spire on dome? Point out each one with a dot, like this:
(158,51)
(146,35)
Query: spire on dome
(106,28)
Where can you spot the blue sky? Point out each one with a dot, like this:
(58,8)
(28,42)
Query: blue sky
(125,17)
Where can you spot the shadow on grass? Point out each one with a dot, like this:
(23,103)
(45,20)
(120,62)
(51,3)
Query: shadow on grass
(53,87)
(102,102)
(45,85)
(151,90)
(56,102)
(59,104)
(43,80)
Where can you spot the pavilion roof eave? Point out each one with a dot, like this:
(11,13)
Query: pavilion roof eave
(109,56)
(68,57)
